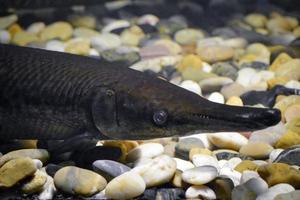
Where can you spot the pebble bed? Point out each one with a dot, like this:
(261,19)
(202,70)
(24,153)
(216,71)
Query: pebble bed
(251,61)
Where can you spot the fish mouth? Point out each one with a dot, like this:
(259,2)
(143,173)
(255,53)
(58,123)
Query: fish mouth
(234,118)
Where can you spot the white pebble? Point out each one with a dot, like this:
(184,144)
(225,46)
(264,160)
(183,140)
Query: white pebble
(204,139)
(148,150)
(148,19)
(273,191)
(274,154)
(216,97)
(202,160)
(228,140)
(55,45)
(38,163)
(245,76)
(36,27)
(115,25)
(233,162)
(293,84)
(257,185)
(247,175)
(93,52)
(49,189)
(200,191)
(206,67)
(234,175)
(105,41)
(183,165)
(191,86)
(125,186)
(260,162)
(4,37)
(221,163)
(199,175)
(161,170)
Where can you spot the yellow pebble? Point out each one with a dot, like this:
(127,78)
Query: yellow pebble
(15,28)
(246,165)
(197,150)
(279,60)
(235,101)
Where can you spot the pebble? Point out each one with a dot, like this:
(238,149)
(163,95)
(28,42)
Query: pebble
(163,193)
(191,86)
(234,101)
(289,139)
(250,189)
(200,191)
(246,165)
(256,20)
(117,24)
(8,20)
(245,76)
(79,46)
(184,146)
(204,139)
(177,179)
(49,189)
(78,181)
(125,186)
(35,184)
(234,175)
(294,195)
(249,174)
(226,154)
(35,28)
(132,36)
(272,192)
(172,46)
(214,84)
(234,89)
(24,38)
(153,51)
(289,70)
(55,45)
(148,150)
(257,150)
(214,53)
(200,175)
(289,156)
(222,187)
(276,173)
(202,160)
(199,151)
(57,30)
(292,112)
(106,41)
(183,165)
(40,154)
(188,36)
(84,32)
(232,163)
(274,154)
(228,140)
(109,169)
(83,21)
(158,171)
(225,69)
(216,97)
(20,168)
(4,37)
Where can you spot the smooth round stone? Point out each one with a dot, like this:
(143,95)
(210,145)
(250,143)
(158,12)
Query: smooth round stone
(79,46)
(38,163)
(177,180)
(202,160)
(78,181)
(272,192)
(191,86)
(35,184)
(36,27)
(106,41)
(294,195)
(279,60)
(83,32)
(285,102)
(214,84)
(292,112)
(113,55)
(261,52)
(290,70)
(232,162)
(23,38)
(278,25)
(51,169)
(274,154)
(200,191)
(226,154)
(216,97)
(8,20)
(215,53)
(117,24)
(199,151)
(236,43)
(83,21)
(256,20)
(132,36)
(247,175)
(228,140)
(234,89)
(57,30)
(249,190)
(183,165)
(153,51)
(16,170)
(222,187)
(188,36)
(49,189)
(157,172)
(93,53)
(4,37)
(245,76)
(234,175)
(40,154)
(276,173)
(125,186)
(245,165)
(204,139)
(163,193)
(289,156)
(55,45)
(184,146)
(225,69)
(109,169)
(172,46)
(148,150)
(293,84)
(235,101)
(200,175)
(257,150)
(148,19)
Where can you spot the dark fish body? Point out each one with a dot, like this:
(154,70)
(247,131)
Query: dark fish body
(52,95)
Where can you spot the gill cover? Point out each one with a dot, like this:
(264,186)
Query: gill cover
(104,110)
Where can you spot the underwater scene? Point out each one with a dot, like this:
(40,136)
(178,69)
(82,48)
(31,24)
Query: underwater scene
(150,100)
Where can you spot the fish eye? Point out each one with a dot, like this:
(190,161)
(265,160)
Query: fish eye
(160,117)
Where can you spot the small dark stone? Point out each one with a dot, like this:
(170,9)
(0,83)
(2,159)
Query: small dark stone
(290,156)
(225,69)
(109,169)
(163,194)
(228,155)
(184,146)
(148,28)
(255,65)
(222,187)
(168,72)
(51,169)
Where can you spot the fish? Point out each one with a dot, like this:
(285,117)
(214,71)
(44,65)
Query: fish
(48,95)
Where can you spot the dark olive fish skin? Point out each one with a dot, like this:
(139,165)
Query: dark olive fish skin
(50,96)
